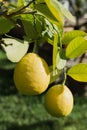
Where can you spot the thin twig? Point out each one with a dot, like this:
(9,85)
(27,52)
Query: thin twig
(11,20)
(21,9)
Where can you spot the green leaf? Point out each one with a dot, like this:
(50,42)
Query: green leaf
(40,1)
(55,10)
(28,23)
(5,25)
(15,49)
(55,50)
(39,24)
(78,72)
(20,3)
(60,60)
(44,10)
(58,10)
(65,11)
(33,26)
(49,31)
(76,47)
(69,36)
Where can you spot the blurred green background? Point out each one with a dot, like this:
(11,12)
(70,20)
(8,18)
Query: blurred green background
(28,113)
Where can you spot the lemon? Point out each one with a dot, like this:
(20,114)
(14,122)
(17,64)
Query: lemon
(59,101)
(31,75)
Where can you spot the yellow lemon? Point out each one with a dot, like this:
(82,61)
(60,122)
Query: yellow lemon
(59,101)
(31,75)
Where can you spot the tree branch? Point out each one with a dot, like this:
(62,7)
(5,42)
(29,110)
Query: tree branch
(21,9)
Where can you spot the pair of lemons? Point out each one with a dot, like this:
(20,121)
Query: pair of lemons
(32,77)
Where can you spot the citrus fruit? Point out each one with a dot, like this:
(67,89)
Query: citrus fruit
(31,75)
(59,100)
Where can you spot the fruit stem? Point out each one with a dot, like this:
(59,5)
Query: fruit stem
(65,76)
(35,47)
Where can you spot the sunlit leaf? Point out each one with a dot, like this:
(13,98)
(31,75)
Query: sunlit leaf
(76,47)
(55,10)
(78,72)
(69,36)
(15,49)
(65,12)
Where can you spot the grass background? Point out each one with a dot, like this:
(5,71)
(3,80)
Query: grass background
(28,113)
